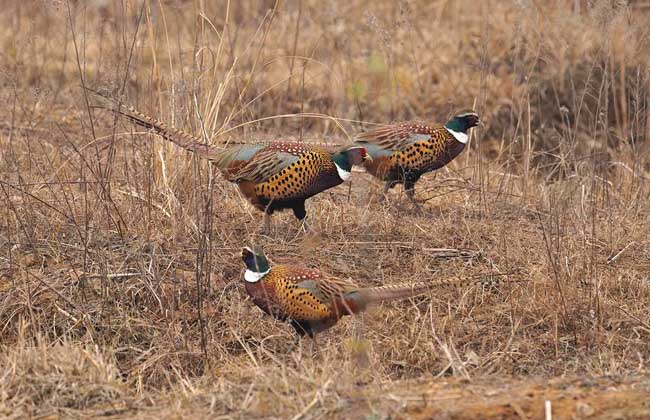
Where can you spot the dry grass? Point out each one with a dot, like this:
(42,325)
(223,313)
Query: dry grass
(120,281)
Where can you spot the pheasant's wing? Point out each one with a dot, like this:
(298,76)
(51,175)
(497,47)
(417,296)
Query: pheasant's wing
(232,160)
(398,136)
(264,164)
(330,288)
(324,286)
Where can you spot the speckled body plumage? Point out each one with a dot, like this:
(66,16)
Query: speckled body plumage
(403,152)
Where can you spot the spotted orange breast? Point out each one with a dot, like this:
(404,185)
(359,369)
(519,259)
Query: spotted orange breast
(309,175)
(423,155)
(297,302)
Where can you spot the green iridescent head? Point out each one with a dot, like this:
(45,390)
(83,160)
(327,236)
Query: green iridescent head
(463,121)
(348,156)
(255,259)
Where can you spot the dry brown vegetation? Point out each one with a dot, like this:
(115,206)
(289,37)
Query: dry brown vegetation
(120,276)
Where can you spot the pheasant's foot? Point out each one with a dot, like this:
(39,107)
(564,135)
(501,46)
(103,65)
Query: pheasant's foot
(295,345)
(304,230)
(418,207)
(313,347)
(305,226)
(382,197)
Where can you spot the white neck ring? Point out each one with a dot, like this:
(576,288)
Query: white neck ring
(253,276)
(343,174)
(461,137)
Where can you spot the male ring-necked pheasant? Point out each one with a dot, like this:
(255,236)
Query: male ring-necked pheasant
(314,302)
(403,152)
(274,176)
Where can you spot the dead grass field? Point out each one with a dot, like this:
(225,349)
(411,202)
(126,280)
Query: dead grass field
(120,278)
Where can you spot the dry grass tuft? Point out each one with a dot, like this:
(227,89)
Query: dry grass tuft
(40,379)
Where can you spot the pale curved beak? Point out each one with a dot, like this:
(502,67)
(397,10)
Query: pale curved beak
(367,158)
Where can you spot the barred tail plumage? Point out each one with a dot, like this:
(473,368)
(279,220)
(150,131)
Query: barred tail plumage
(392,292)
(180,138)
(379,294)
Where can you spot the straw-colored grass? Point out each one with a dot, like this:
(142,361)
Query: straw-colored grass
(120,277)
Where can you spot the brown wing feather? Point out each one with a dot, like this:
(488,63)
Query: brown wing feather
(399,136)
(264,165)
(333,288)
(327,285)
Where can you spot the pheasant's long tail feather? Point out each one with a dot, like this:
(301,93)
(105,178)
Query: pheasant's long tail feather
(403,291)
(392,292)
(180,138)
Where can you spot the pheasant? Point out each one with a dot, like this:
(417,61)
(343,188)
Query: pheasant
(314,302)
(403,152)
(274,176)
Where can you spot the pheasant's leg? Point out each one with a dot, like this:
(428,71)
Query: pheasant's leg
(387,186)
(300,328)
(300,333)
(301,214)
(305,226)
(296,344)
(267,224)
(313,347)
(409,189)
(359,350)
